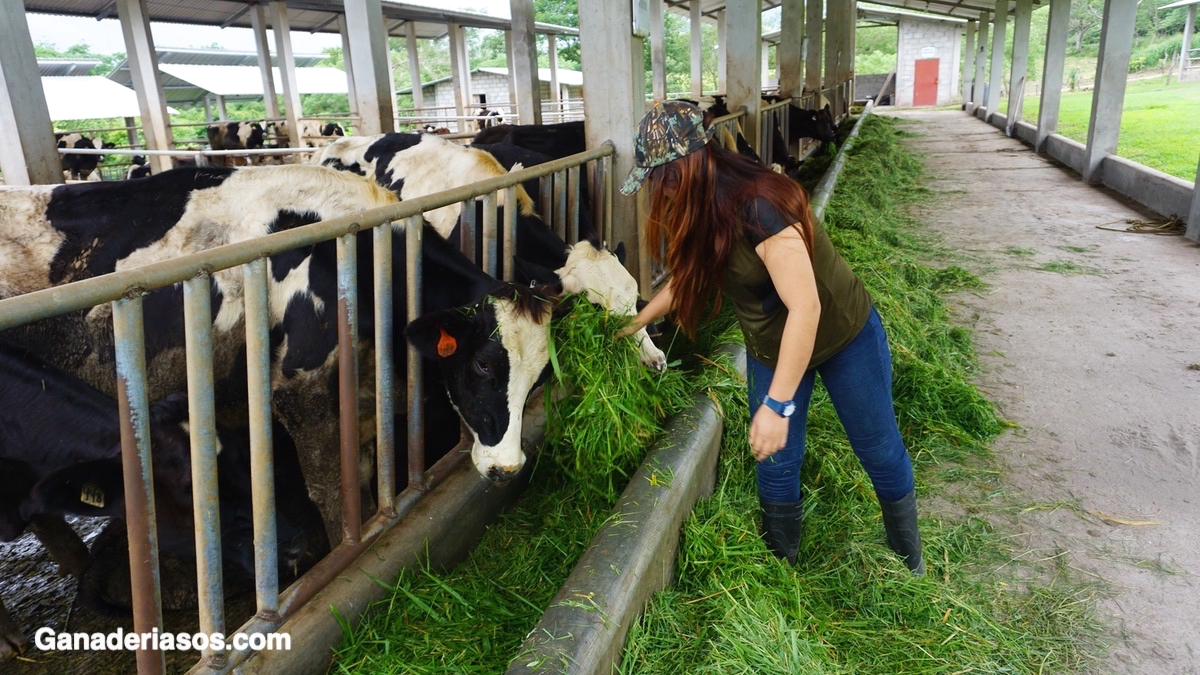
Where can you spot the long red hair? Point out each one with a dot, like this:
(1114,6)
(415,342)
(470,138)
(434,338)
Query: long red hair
(703,216)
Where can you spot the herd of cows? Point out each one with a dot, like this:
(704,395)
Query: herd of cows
(483,342)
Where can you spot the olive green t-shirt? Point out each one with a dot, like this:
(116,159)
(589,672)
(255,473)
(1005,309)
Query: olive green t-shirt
(845,303)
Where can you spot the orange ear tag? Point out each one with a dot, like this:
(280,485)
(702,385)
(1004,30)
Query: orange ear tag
(447,345)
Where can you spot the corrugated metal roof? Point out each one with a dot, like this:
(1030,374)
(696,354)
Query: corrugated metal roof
(964,9)
(66,67)
(314,16)
(78,98)
(222,57)
(188,83)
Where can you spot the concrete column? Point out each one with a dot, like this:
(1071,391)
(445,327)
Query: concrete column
(968,66)
(529,90)
(743,62)
(1052,71)
(1189,28)
(369,53)
(131,132)
(1108,97)
(1020,62)
(997,68)
(462,96)
(981,61)
(28,151)
(697,51)
(221,113)
(658,51)
(1193,221)
(813,28)
(414,63)
(833,18)
(789,55)
(348,65)
(512,79)
(765,70)
(287,70)
(208,115)
(143,69)
(615,99)
(722,80)
(258,23)
(552,49)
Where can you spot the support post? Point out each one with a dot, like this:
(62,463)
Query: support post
(765,70)
(512,78)
(258,23)
(1020,63)
(697,51)
(287,71)
(1108,98)
(1193,221)
(658,51)
(813,29)
(833,12)
(459,76)
(722,46)
(1000,24)
(208,114)
(789,55)
(1189,31)
(968,71)
(981,50)
(1052,71)
(612,55)
(143,69)
(131,132)
(743,63)
(414,64)
(221,113)
(552,49)
(369,52)
(347,64)
(28,151)
(529,90)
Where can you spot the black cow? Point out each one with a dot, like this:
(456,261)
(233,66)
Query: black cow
(81,231)
(80,167)
(554,140)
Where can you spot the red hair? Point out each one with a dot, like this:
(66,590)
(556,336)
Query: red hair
(703,218)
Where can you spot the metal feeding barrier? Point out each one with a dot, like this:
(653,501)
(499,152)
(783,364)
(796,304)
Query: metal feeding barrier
(124,291)
(772,117)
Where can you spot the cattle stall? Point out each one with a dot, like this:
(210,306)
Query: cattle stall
(123,292)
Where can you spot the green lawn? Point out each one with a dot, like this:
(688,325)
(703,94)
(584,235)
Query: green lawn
(1160,126)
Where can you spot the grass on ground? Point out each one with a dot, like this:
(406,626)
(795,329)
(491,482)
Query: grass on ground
(850,605)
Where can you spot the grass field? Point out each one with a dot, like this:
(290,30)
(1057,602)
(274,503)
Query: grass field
(1160,125)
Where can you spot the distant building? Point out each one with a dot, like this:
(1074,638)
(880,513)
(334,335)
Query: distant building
(492,83)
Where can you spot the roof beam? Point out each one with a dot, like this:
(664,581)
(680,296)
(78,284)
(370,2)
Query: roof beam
(235,16)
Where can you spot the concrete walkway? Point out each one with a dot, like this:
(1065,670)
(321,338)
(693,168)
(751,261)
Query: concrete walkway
(1096,356)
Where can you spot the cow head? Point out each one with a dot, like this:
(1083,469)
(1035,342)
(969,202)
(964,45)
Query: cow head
(817,124)
(491,356)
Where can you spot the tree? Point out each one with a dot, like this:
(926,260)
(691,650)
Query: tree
(1085,16)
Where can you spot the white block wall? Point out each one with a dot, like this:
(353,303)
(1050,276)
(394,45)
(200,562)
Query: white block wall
(923,40)
(493,85)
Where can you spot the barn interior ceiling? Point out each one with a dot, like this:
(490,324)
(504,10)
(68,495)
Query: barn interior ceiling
(314,16)
(962,9)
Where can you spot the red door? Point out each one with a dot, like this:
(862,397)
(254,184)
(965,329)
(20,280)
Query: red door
(925,82)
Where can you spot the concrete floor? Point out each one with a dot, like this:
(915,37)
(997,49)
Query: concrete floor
(1097,359)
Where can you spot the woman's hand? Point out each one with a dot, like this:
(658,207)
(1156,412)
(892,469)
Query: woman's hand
(768,433)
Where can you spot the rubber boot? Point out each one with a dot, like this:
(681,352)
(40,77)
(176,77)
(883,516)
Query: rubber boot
(903,537)
(783,527)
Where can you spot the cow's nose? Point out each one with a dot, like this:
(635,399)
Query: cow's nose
(501,475)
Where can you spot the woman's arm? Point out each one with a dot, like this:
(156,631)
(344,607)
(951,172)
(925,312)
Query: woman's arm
(654,310)
(786,258)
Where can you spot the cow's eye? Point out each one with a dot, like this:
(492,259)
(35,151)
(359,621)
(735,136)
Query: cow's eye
(482,367)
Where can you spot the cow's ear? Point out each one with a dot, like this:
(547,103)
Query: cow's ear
(92,489)
(826,108)
(619,251)
(534,274)
(437,334)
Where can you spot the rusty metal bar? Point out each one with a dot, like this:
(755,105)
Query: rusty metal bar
(510,232)
(560,204)
(202,429)
(130,338)
(607,182)
(487,232)
(385,371)
(467,232)
(414,278)
(347,282)
(545,199)
(262,452)
(572,205)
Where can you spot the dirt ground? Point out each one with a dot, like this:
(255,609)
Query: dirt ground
(1095,356)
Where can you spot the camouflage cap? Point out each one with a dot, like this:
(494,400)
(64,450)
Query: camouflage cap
(669,131)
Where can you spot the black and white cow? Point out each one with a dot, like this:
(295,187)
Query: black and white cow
(80,167)
(313,133)
(415,165)
(55,235)
(485,118)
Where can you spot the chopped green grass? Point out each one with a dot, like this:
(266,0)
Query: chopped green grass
(850,605)
(1067,268)
(1019,252)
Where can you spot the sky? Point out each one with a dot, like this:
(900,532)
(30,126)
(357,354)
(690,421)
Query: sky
(104,37)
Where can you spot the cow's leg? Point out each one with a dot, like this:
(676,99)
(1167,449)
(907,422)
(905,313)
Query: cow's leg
(12,639)
(62,543)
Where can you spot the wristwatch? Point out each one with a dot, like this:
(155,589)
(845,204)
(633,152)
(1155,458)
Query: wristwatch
(782,408)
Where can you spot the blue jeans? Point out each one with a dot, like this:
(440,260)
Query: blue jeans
(859,381)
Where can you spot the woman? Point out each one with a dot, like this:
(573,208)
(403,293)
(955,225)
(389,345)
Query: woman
(733,227)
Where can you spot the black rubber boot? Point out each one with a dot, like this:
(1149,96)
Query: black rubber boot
(903,537)
(783,527)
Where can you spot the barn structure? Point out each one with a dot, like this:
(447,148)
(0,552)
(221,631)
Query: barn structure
(815,56)
(490,86)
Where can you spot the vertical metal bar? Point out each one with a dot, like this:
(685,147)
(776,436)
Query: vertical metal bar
(488,230)
(413,230)
(510,233)
(262,449)
(608,200)
(466,231)
(545,202)
(573,205)
(130,338)
(385,371)
(202,428)
(560,204)
(347,281)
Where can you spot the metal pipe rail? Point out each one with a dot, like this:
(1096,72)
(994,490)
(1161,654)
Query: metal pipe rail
(824,189)
(125,288)
(771,117)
